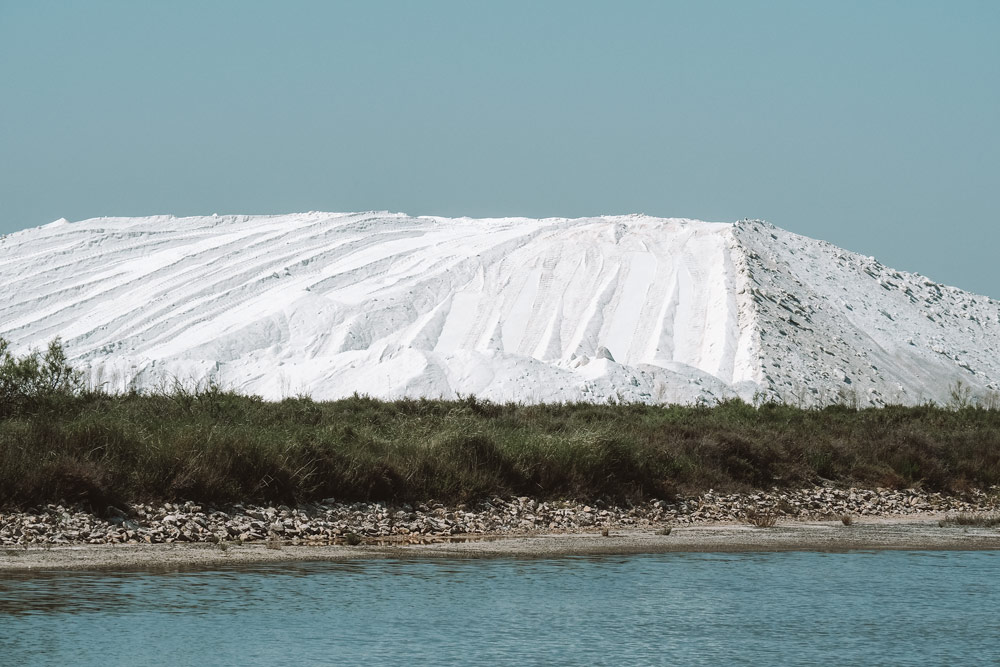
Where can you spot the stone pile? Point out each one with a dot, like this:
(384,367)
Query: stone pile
(334,522)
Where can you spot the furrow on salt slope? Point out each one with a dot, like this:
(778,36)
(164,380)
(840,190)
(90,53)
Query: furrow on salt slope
(185,302)
(165,278)
(251,288)
(145,278)
(169,296)
(511,309)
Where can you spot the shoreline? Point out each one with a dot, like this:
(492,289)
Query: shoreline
(914,532)
(335,522)
(172,535)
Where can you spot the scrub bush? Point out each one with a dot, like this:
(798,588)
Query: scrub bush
(35,379)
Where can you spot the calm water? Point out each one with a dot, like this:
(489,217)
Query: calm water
(782,608)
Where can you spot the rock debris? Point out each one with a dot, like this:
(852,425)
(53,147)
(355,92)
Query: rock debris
(333,522)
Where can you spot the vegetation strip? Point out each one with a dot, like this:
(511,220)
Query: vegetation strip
(62,443)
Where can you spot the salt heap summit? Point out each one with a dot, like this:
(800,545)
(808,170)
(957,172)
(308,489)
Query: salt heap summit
(624,308)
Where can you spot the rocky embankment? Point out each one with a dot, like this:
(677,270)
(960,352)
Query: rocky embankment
(334,522)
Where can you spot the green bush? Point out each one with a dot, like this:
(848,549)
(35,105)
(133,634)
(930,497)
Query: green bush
(35,379)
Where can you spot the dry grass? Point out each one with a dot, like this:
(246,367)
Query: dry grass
(762,518)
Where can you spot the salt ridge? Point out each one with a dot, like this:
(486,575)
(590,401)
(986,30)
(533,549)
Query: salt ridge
(626,308)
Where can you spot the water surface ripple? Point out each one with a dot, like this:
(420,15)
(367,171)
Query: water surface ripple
(893,608)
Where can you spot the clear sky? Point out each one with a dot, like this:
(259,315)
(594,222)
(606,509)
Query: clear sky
(873,125)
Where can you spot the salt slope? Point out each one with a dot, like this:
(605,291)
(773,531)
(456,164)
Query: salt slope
(623,308)
(836,326)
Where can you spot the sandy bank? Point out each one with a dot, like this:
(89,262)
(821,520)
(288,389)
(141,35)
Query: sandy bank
(918,533)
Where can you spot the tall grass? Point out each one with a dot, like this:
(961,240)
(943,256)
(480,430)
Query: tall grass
(215,446)
(218,446)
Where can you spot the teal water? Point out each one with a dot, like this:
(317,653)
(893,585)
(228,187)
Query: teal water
(892,608)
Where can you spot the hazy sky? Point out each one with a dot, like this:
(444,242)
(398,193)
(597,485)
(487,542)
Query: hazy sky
(873,125)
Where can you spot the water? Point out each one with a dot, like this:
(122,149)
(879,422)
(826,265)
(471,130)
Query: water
(776,608)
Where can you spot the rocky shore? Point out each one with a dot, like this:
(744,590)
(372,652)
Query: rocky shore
(332,522)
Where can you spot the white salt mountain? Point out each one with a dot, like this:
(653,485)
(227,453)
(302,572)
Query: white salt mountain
(628,308)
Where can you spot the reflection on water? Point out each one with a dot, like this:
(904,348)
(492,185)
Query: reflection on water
(785,608)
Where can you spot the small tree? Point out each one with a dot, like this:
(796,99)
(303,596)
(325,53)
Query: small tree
(35,376)
(960,396)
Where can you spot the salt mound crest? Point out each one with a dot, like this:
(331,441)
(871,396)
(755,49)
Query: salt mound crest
(628,308)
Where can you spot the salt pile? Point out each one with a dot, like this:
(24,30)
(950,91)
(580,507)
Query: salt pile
(624,308)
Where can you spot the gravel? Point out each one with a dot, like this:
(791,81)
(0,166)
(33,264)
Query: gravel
(331,522)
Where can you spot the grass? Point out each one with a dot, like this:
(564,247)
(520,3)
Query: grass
(762,518)
(214,446)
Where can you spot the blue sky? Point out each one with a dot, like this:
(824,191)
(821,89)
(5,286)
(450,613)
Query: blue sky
(873,125)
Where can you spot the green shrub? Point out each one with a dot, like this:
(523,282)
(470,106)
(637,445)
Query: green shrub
(35,379)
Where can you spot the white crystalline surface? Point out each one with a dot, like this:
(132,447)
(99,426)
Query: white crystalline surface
(626,308)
